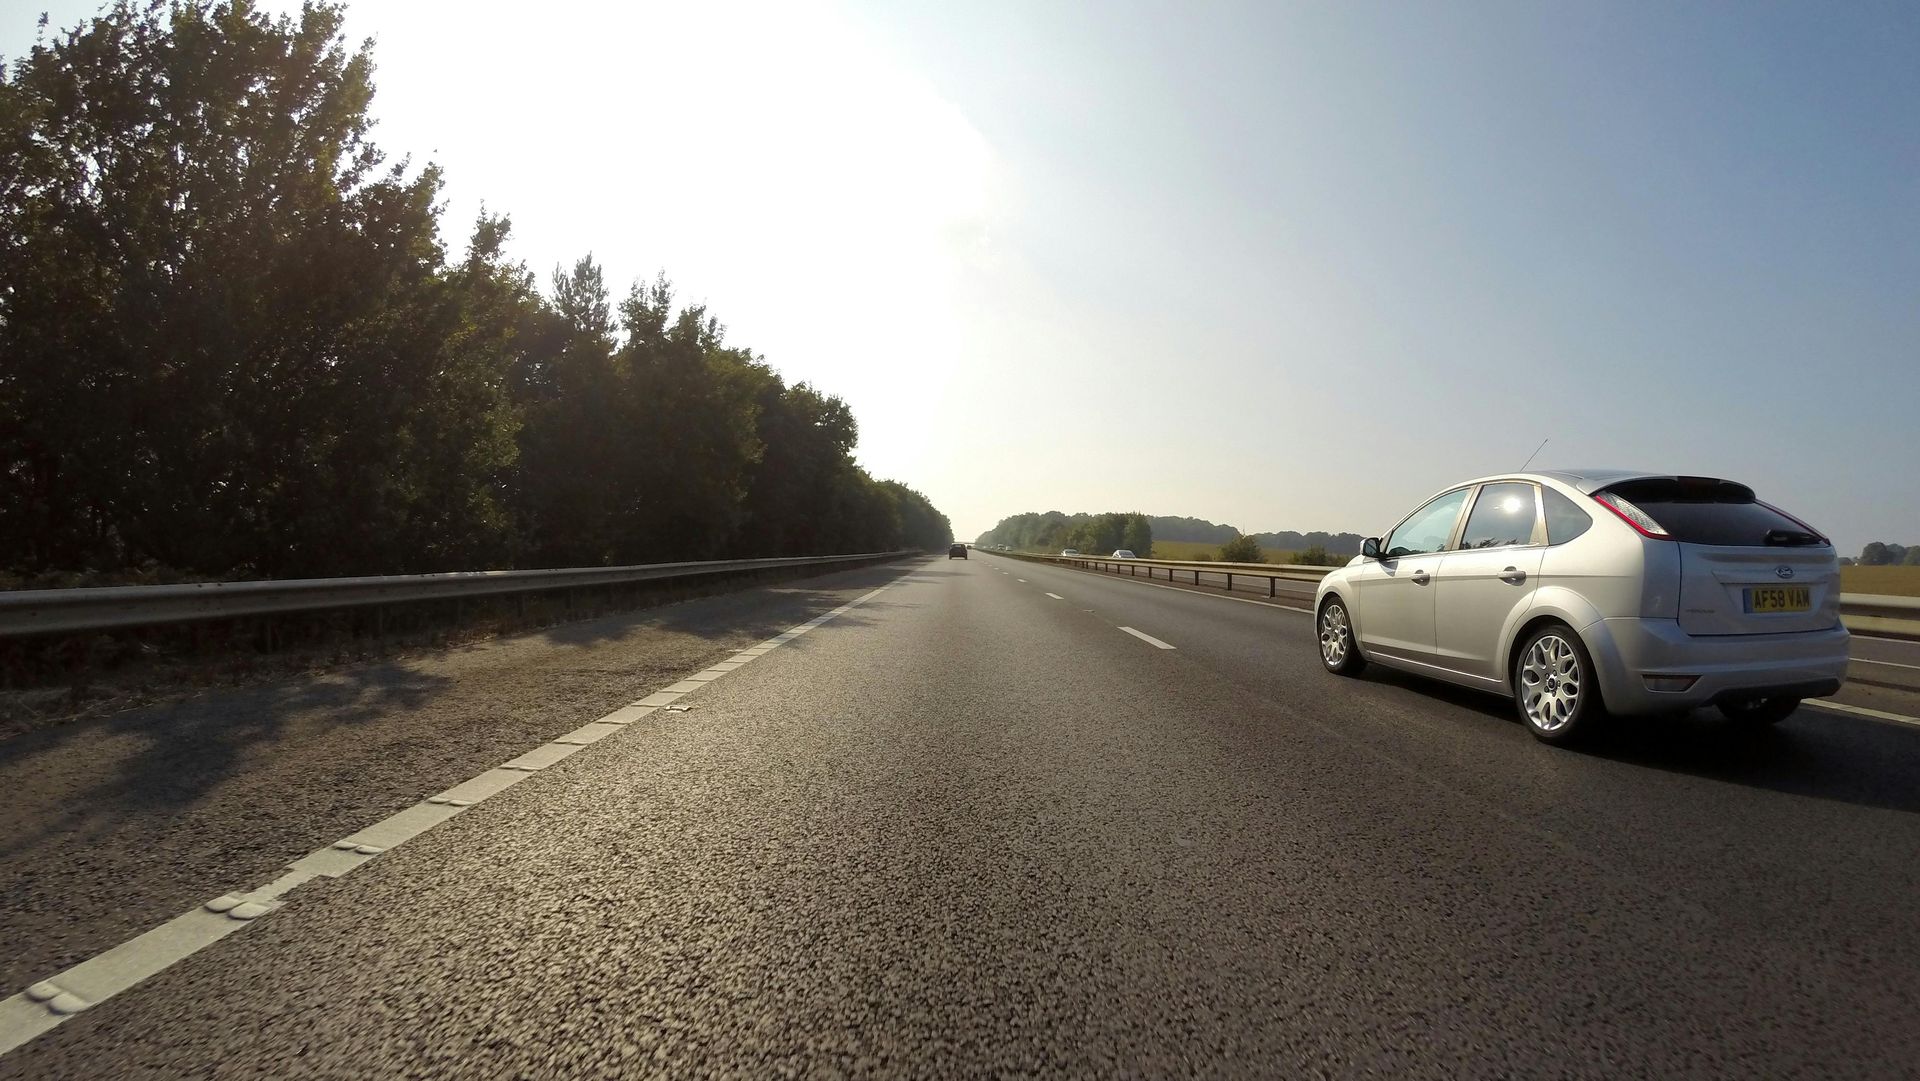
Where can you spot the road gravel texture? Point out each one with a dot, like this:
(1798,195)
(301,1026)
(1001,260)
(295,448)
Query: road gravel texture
(967,829)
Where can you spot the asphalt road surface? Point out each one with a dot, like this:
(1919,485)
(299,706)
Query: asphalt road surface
(993,818)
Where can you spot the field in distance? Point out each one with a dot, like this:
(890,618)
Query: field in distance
(1887,581)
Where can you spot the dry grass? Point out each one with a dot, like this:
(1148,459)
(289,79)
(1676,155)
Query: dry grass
(1889,581)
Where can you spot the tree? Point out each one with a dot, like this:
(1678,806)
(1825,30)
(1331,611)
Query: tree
(1241,549)
(229,342)
(1875,554)
(1912,558)
(232,342)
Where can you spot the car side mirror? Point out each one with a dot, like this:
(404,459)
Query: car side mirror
(1370,547)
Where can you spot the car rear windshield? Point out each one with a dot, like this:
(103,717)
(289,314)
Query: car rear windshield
(1701,510)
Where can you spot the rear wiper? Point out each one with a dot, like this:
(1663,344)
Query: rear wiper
(1791,538)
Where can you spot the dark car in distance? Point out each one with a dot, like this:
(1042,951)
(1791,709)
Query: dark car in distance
(958,551)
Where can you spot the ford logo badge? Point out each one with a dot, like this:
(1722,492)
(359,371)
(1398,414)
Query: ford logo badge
(1783,572)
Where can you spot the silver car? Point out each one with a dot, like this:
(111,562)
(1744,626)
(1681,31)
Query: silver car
(1581,593)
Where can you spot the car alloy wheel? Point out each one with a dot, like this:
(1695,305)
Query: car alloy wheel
(1337,649)
(1553,684)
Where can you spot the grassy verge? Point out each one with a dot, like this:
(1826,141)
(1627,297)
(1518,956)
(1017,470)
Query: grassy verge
(1891,581)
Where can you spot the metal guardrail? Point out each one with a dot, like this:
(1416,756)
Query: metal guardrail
(53,611)
(1863,613)
(1272,572)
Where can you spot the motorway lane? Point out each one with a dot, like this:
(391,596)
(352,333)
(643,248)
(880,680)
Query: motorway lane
(969,828)
(1880,664)
(1809,824)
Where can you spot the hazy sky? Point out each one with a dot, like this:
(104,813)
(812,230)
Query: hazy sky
(1284,266)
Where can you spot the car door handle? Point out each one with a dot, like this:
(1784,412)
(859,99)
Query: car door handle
(1421,578)
(1513,575)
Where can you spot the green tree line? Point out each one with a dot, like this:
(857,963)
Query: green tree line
(1886,554)
(1091,533)
(232,341)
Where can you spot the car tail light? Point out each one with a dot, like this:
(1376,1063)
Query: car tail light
(1640,520)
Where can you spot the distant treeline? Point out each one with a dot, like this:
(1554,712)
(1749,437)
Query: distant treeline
(1090,533)
(233,343)
(1204,532)
(1884,554)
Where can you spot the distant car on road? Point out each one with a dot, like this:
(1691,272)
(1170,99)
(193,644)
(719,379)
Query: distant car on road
(958,551)
(1578,593)
(1123,553)
(1069,551)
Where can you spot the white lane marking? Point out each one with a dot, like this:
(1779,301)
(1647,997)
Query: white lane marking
(51,1001)
(1056,596)
(1147,638)
(1877,714)
(1883,638)
(1889,664)
(1021,580)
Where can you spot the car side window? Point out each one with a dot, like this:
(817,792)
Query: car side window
(1429,528)
(1504,515)
(1565,519)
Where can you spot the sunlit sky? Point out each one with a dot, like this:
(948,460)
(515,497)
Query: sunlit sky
(1288,266)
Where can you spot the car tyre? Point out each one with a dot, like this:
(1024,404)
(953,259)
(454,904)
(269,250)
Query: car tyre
(1339,653)
(1555,688)
(1759,712)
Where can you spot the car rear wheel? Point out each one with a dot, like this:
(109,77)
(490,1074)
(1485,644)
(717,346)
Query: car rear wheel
(1337,649)
(1554,687)
(1759,712)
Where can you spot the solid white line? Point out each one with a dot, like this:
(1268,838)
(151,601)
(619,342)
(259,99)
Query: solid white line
(51,1001)
(1147,638)
(1883,638)
(1056,596)
(1889,664)
(1877,714)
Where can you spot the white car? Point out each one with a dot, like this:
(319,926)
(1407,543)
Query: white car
(1069,551)
(1122,553)
(1578,593)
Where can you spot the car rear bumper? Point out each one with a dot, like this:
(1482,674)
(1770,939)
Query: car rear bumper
(1808,664)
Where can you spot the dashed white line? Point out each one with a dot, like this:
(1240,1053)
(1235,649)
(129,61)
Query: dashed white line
(1056,596)
(49,1002)
(1147,638)
(1877,714)
(1021,580)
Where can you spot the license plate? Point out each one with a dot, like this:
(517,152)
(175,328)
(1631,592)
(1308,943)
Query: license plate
(1779,599)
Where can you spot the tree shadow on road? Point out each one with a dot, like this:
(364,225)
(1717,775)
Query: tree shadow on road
(745,611)
(160,760)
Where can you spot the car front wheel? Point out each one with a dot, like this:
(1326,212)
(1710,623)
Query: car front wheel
(1337,649)
(1554,687)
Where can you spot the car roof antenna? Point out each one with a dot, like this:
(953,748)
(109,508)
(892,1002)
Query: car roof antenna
(1531,457)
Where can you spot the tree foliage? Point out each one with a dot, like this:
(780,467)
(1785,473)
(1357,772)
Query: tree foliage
(1090,533)
(1887,554)
(1241,549)
(232,341)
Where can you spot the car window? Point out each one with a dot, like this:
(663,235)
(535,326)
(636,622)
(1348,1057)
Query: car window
(1502,516)
(1702,510)
(1565,519)
(1429,528)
